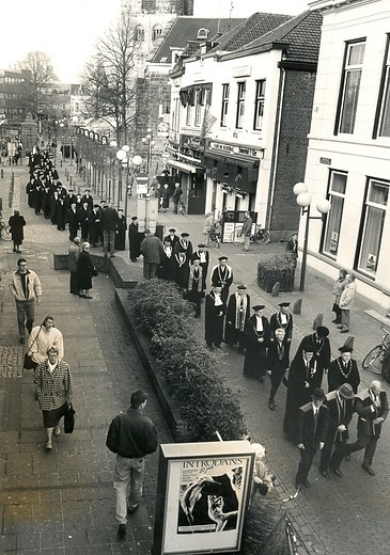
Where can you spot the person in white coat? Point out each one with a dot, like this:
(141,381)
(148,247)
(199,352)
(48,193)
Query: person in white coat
(346,301)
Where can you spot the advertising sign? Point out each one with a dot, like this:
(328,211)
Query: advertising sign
(202,497)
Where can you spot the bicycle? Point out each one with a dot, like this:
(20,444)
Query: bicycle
(182,208)
(260,236)
(378,355)
(5,231)
(215,235)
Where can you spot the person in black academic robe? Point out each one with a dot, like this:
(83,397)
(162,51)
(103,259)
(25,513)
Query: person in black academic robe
(93,225)
(282,319)
(204,257)
(303,379)
(61,212)
(120,235)
(257,337)
(183,254)
(238,312)
(16,224)
(167,267)
(134,240)
(30,192)
(214,315)
(319,343)
(88,198)
(277,363)
(72,220)
(343,369)
(222,276)
(195,285)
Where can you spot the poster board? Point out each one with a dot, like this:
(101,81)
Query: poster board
(202,496)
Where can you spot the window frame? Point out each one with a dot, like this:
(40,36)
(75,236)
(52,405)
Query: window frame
(347,70)
(241,97)
(330,193)
(149,5)
(259,101)
(225,104)
(384,92)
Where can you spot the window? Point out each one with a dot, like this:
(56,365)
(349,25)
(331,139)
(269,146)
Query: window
(336,195)
(149,5)
(156,32)
(225,104)
(139,34)
(198,109)
(240,105)
(350,87)
(373,222)
(202,33)
(259,105)
(384,116)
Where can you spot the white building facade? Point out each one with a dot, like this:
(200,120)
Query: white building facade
(349,145)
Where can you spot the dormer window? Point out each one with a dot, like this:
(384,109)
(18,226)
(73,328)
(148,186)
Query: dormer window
(156,32)
(139,34)
(202,34)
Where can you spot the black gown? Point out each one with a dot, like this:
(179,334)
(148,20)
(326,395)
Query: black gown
(255,364)
(120,235)
(134,241)
(214,315)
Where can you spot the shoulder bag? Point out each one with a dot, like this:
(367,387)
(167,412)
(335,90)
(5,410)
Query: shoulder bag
(29,363)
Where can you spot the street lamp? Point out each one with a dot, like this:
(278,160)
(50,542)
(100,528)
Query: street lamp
(304,200)
(121,156)
(149,143)
(113,144)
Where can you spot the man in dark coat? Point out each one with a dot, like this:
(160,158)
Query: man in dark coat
(88,198)
(257,337)
(237,314)
(303,379)
(195,284)
(214,315)
(172,237)
(292,248)
(313,422)
(93,224)
(319,343)
(277,363)
(282,319)
(222,276)
(343,370)
(120,236)
(71,198)
(340,404)
(16,224)
(82,219)
(109,221)
(177,193)
(151,248)
(183,253)
(372,406)
(72,221)
(167,267)
(134,240)
(204,257)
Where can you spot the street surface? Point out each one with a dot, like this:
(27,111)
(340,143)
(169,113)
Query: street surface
(63,503)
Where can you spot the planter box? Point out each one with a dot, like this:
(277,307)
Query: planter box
(267,277)
(170,408)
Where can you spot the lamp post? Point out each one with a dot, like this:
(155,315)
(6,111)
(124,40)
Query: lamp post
(112,145)
(62,142)
(149,143)
(304,200)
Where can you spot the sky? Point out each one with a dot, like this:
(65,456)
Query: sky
(66,30)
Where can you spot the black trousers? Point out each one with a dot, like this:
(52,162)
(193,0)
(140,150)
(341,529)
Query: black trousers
(368,443)
(329,459)
(307,456)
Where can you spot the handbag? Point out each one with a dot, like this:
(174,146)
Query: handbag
(29,363)
(69,420)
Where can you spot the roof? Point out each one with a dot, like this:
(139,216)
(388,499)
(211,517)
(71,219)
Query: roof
(185,29)
(302,34)
(250,29)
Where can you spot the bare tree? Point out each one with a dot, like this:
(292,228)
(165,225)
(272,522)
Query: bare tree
(110,78)
(38,73)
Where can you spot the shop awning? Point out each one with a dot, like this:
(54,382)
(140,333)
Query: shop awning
(187,168)
(233,159)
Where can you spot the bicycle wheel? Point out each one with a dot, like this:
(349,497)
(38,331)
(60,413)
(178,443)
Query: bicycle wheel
(6,233)
(374,360)
(262,237)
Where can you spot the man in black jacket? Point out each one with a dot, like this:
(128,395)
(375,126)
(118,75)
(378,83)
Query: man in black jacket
(131,437)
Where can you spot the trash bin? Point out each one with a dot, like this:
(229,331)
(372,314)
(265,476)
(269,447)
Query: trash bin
(160,231)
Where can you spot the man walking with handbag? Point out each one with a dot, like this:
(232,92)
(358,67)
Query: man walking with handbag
(131,437)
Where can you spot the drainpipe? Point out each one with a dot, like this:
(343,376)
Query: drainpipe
(276,149)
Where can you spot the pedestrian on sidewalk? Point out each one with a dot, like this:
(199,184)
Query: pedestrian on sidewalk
(54,389)
(313,425)
(120,234)
(338,288)
(42,338)
(346,301)
(16,224)
(340,404)
(257,337)
(214,314)
(372,407)
(277,363)
(85,271)
(109,221)
(131,436)
(237,314)
(247,230)
(25,286)
(73,254)
(292,249)
(208,227)
(343,369)
(177,193)
(152,250)
(263,480)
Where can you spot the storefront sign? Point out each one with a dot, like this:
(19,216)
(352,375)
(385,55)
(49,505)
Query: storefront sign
(202,497)
(242,71)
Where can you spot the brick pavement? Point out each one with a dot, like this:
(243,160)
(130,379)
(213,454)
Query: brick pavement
(322,515)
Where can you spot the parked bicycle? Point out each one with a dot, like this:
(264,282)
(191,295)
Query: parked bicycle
(5,230)
(380,354)
(260,235)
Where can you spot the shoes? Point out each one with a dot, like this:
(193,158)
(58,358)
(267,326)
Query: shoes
(325,473)
(57,431)
(271,404)
(347,456)
(306,483)
(368,469)
(336,321)
(82,296)
(18,251)
(340,327)
(87,297)
(22,340)
(48,446)
(122,531)
(344,331)
(112,255)
(337,471)
(131,510)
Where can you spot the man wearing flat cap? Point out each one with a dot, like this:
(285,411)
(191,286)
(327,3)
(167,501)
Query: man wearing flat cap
(319,343)
(257,337)
(237,314)
(222,276)
(340,404)
(282,319)
(343,369)
(303,379)
(313,423)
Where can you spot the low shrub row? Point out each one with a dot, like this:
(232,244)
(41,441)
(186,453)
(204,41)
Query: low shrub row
(207,403)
